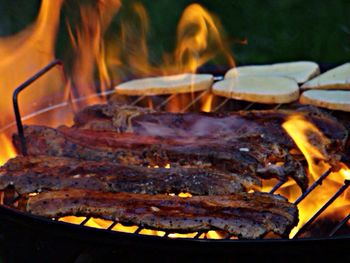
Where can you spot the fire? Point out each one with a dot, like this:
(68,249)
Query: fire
(89,47)
(199,39)
(98,63)
(301,131)
(208,102)
(7,150)
(23,54)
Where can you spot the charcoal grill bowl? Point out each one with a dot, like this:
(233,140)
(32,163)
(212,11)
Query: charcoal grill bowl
(25,237)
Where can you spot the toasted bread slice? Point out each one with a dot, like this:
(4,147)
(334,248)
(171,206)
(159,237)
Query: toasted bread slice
(183,83)
(261,89)
(329,99)
(300,71)
(337,78)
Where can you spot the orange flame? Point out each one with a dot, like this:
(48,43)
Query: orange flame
(199,39)
(24,54)
(301,131)
(7,150)
(89,48)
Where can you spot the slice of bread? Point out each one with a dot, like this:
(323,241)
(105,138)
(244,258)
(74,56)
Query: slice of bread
(261,89)
(337,78)
(183,83)
(300,71)
(329,99)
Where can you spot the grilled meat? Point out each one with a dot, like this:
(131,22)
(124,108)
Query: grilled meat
(244,215)
(34,173)
(266,124)
(244,156)
(111,117)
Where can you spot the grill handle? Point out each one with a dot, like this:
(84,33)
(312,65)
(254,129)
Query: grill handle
(23,86)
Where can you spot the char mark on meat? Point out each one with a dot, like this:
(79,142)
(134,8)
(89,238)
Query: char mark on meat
(244,215)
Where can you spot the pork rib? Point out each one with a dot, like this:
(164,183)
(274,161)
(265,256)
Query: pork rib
(36,173)
(244,215)
(244,156)
(267,124)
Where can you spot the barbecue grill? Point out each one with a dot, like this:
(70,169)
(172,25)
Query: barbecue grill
(44,238)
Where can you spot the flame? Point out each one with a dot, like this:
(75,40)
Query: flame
(199,39)
(129,53)
(208,102)
(7,150)
(299,129)
(89,47)
(97,63)
(105,224)
(23,54)
(304,133)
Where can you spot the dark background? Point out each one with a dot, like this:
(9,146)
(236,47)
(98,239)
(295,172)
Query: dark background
(276,30)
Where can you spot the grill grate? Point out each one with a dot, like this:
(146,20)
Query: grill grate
(9,198)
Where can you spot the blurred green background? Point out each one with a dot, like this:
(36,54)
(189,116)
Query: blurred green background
(276,30)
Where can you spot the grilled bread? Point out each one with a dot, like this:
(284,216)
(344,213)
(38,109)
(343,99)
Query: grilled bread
(330,99)
(261,89)
(300,71)
(183,83)
(337,78)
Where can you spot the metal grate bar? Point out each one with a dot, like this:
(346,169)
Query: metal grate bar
(277,107)
(193,102)
(324,207)
(137,100)
(313,186)
(218,78)
(85,221)
(199,233)
(21,88)
(165,102)
(249,106)
(221,105)
(138,230)
(339,226)
(277,186)
(112,225)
